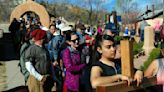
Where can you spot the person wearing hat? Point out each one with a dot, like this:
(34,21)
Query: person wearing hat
(37,62)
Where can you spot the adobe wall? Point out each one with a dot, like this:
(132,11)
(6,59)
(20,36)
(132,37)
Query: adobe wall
(32,6)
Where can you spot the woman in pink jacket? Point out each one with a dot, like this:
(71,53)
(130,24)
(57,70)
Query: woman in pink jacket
(71,59)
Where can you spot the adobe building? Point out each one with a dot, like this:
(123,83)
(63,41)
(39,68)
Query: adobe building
(151,16)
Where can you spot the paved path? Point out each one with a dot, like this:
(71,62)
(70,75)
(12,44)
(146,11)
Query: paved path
(14,76)
(2,76)
(4,26)
(9,56)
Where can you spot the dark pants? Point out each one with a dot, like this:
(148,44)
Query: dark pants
(157,36)
(58,79)
(142,35)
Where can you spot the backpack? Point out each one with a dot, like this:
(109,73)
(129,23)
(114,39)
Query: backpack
(21,63)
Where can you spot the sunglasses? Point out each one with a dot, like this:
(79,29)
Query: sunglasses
(75,40)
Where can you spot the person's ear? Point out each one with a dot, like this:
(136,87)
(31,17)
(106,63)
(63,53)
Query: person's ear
(99,50)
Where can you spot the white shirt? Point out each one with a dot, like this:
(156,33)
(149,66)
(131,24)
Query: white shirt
(32,71)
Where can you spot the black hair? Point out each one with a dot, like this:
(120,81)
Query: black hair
(68,35)
(27,37)
(39,23)
(34,27)
(59,22)
(52,25)
(99,39)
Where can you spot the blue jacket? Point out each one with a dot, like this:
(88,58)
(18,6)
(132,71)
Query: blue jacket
(54,46)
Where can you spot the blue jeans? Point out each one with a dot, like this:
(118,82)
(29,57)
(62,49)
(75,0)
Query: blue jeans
(142,35)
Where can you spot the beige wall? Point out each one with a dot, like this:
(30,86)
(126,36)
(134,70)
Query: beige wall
(152,22)
(34,7)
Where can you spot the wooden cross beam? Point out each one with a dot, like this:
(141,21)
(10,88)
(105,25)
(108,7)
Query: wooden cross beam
(127,65)
(123,86)
(127,70)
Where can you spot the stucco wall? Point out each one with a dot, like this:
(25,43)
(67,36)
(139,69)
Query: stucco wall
(33,7)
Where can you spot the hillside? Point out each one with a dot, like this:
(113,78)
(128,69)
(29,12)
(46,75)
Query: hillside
(69,12)
(74,13)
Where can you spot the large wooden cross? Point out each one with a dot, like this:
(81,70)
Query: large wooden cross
(128,70)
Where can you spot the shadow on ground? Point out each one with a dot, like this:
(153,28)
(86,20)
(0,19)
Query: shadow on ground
(7,51)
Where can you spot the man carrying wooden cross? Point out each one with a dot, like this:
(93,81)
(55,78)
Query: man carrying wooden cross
(105,70)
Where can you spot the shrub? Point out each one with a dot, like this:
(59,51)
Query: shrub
(155,53)
(117,39)
(137,47)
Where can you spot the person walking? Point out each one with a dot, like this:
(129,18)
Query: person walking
(72,63)
(38,64)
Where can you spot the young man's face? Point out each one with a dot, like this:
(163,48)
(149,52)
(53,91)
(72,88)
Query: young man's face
(108,49)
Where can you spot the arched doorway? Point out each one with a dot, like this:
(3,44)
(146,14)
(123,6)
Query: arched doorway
(31,6)
(30,16)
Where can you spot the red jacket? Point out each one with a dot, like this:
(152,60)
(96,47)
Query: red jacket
(161,32)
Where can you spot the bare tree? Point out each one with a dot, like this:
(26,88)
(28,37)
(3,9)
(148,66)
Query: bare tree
(157,4)
(93,8)
(89,13)
(89,5)
(99,9)
(6,7)
(129,10)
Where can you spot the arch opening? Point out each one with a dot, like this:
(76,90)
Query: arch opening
(31,7)
(30,16)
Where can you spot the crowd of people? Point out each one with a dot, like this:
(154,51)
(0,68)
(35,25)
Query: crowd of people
(69,58)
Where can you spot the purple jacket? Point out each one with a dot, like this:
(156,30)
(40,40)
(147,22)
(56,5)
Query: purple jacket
(71,59)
